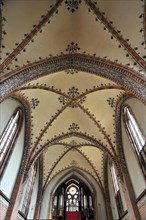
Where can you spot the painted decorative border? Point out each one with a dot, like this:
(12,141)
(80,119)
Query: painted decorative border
(27,134)
(30,36)
(133,82)
(115,33)
(118,129)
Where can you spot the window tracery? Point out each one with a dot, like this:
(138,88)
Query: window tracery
(72,201)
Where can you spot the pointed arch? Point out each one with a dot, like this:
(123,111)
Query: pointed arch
(129,79)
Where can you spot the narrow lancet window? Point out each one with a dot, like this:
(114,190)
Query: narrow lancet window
(117,190)
(136,137)
(9,135)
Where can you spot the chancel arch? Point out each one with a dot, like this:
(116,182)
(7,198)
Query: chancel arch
(99,67)
(76,175)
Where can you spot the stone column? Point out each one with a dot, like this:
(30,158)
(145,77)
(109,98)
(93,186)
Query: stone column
(50,214)
(106,193)
(37,210)
(108,209)
(133,212)
(82,200)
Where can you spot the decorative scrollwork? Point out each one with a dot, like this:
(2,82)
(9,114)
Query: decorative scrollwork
(72,5)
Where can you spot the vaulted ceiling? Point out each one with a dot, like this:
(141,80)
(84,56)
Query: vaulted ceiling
(72,62)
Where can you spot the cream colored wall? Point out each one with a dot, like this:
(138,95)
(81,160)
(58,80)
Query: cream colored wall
(33,198)
(139,110)
(99,196)
(8,179)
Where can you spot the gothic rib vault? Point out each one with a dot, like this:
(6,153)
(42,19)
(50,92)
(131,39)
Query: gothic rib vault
(71,103)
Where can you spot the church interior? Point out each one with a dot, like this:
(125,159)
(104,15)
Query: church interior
(73,109)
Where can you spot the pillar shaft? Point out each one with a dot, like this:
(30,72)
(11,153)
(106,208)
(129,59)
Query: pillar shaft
(108,210)
(133,212)
(37,211)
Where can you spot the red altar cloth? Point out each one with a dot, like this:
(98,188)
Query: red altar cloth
(73,216)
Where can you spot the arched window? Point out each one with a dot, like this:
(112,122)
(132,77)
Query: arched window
(116,189)
(136,137)
(72,200)
(27,191)
(9,136)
